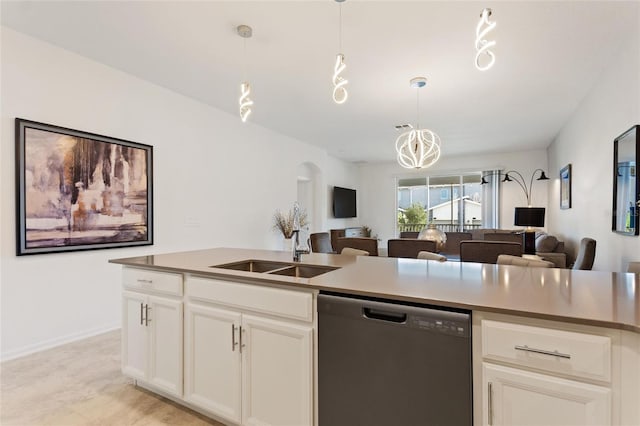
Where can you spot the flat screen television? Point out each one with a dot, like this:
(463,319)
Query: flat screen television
(344,202)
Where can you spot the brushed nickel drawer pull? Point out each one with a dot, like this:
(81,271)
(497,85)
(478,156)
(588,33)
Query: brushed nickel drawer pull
(542,351)
(142,280)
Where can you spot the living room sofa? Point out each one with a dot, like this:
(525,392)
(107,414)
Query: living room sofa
(547,246)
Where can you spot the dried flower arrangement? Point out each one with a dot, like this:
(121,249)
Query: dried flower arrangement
(284,222)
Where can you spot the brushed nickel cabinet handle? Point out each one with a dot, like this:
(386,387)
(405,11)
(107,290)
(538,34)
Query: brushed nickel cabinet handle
(144,281)
(233,338)
(146,319)
(490,404)
(242,345)
(141,314)
(541,351)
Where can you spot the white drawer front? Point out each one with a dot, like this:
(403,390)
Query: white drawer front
(153,281)
(571,353)
(285,303)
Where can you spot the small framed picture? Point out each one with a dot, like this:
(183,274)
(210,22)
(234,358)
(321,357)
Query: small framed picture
(565,187)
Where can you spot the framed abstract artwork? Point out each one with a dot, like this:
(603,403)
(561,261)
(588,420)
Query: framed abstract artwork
(80,191)
(565,187)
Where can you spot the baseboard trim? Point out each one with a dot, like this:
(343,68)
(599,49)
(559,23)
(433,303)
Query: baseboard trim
(58,341)
(180,401)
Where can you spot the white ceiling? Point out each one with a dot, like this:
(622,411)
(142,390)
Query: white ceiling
(549,54)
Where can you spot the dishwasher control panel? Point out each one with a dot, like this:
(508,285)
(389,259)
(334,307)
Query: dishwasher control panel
(439,325)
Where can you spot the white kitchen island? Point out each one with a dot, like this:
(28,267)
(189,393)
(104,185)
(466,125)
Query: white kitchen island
(550,346)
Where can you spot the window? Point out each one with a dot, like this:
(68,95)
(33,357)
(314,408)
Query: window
(452,203)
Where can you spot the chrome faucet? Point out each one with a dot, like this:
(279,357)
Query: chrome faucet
(297,253)
(296,231)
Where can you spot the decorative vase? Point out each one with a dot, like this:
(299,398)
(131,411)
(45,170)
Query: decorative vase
(432,233)
(287,244)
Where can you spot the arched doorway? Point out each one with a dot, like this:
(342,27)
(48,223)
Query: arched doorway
(308,195)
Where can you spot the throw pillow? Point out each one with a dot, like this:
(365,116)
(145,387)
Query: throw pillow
(546,243)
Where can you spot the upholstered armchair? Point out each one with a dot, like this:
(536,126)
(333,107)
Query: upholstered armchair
(586,254)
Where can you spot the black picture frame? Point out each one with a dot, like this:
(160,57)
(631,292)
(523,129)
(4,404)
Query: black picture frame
(565,187)
(77,190)
(625,219)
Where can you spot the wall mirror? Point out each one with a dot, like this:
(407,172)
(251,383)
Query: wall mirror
(626,184)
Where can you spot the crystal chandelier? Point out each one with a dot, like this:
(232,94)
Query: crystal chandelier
(245,101)
(418,148)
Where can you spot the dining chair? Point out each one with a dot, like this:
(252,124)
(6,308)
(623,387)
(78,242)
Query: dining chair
(506,259)
(427,255)
(409,234)
(407,247)
(452,245)
(586,254)
(321,242)
(354,252)
(361,243)
(487,251)
(335,234)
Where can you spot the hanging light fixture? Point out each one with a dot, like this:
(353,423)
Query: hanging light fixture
(340,94)
(418,148)
(482,45)
(245,102)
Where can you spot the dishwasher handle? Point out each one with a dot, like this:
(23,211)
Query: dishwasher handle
(379,314)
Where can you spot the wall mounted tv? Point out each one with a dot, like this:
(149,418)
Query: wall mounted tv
(344,202)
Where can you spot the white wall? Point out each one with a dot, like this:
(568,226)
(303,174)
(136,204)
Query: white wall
(343,177)
(586,141)
(205,162)
(378,182)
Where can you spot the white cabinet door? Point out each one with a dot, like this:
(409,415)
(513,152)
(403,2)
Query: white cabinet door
(164,322)
(519,397)
(213,360)
(152,340)
(134,335)
(276,372)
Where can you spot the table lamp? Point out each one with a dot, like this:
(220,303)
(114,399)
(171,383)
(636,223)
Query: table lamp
(530,217)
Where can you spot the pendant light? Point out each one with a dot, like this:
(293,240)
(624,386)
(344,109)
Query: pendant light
(418,148)
(482,45)
(340,94)
(245,102)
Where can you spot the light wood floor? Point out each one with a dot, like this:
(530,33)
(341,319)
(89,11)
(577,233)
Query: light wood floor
(81,384)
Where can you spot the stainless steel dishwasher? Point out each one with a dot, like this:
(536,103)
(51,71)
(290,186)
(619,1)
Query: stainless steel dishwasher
(385,363)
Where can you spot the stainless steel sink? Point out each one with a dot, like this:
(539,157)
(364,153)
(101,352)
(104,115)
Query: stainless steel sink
(253,265)
(277,268)
(303,271)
